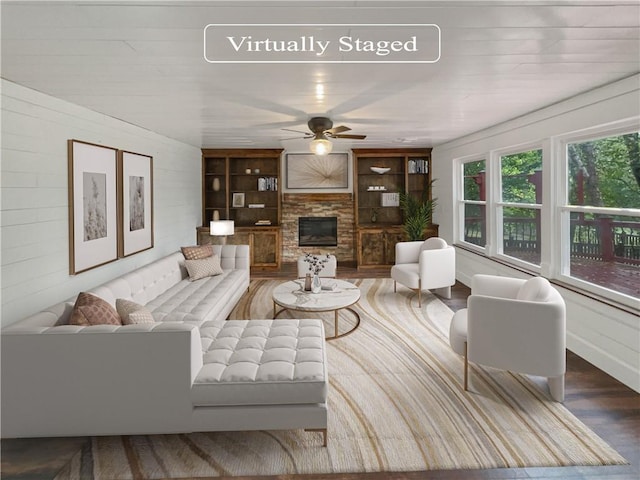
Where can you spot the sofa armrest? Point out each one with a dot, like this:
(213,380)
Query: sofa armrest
(408,252)
(98,380)
(439,265)
(495,286)
(522,336)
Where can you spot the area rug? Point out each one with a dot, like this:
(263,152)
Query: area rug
(396,403)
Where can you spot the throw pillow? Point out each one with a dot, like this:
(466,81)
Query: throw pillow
(207,267)
(197,252)
(536,289)
(132,312)
(92,310)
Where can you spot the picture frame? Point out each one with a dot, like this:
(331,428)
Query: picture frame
(309,171)
(93,205)
(237,200)
(135,172)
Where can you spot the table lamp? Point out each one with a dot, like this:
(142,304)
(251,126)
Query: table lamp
(221,228)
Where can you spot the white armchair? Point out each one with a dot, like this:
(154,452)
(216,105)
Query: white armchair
(426,265)
(516,325)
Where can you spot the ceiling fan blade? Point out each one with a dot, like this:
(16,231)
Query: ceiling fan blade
(355,137)
(293,138)
(334,130)
(297,131)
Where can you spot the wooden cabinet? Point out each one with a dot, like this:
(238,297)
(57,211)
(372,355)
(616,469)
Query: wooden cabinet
(243,185)
(377,211)
(264,244)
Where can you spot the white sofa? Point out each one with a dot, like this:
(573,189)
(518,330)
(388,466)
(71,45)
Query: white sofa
(191,371)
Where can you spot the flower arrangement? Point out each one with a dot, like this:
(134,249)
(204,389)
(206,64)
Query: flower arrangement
(316,263)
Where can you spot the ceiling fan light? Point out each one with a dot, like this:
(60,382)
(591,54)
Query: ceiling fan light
(320,146)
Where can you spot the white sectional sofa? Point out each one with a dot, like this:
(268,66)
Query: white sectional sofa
(190,371)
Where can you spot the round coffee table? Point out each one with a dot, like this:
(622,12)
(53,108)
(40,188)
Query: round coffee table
(292,296)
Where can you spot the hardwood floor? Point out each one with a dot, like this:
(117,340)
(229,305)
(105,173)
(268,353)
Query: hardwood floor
(609,408)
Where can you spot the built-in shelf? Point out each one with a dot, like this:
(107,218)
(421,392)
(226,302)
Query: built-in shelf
(378,227)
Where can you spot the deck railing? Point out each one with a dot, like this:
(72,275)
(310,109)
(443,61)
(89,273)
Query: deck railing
(603,239)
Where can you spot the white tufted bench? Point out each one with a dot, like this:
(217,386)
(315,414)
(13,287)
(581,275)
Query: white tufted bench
(266,364)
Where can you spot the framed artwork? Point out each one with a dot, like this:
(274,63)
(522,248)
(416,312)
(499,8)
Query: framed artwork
(93,205)
(238,200)
(306,170)
(136,202)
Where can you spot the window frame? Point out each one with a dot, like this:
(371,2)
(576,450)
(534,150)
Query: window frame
(462,202)
(499,205)
(562,258)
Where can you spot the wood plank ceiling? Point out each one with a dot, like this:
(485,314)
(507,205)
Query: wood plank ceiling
(142,62)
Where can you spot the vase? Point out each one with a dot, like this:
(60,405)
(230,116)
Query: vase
(316,286)
(216,215)
(216,184)
(307,283)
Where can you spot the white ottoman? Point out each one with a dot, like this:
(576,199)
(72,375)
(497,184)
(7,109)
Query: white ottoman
(277,366)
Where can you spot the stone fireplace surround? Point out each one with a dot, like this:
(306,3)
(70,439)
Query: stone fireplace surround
(339,205)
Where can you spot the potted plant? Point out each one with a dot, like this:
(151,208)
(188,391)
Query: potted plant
(417,212)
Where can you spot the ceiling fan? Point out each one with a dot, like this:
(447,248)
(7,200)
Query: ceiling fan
(321,128)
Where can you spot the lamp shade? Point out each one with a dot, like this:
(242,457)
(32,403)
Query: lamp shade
(221,228)
(320,146)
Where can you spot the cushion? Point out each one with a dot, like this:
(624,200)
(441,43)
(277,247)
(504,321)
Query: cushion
(132,312)
(197,252)
(92,310)
(536,289)
(207,267)
(262,362)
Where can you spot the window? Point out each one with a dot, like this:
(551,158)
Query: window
(520,204)
(474,203)
(587,231)
(602,212)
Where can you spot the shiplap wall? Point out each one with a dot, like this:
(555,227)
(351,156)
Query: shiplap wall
(605,336)
(34,205)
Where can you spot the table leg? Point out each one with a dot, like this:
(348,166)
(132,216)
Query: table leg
(335,331)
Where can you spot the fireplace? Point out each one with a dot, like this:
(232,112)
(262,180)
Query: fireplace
(318,231)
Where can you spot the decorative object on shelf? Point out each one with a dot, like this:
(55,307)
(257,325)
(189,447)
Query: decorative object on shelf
(314,171)
(221,228)
(307,283)
(374,215)
(215,185)
(216,215)
(316,284)
(136,203)
(419,165)
(238,200)
(267,184)
(263,223)
(93,222)
(380,170)
(247,171)
(256,171)
(417,213)
(390,199)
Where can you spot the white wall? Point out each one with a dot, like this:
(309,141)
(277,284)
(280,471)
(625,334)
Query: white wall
(604,335)
(34,201)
